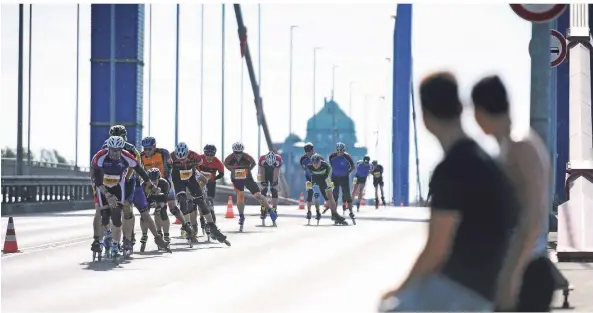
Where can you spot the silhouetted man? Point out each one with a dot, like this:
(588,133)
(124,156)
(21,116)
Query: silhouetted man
(528,165)
(473,210)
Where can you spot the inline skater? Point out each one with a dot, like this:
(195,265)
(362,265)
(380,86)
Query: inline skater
(304,161)
(213,168)
(109,168)
(153,157)
(240,165)
(157,198)
(269,169)
(377,173)
(363,169)
(185,177)
(138,198)
(342,165)
(320,175)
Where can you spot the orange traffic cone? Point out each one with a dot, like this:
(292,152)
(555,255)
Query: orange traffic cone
(302,202)
(10,245)
(229,209)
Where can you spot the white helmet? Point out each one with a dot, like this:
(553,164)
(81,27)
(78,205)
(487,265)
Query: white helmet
(271,158)
(115,142)
(238,147)
(340,146)
(181,150)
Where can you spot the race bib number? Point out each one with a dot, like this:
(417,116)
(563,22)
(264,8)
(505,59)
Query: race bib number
(377,174)
(111,180)
(240,173)
(185,174)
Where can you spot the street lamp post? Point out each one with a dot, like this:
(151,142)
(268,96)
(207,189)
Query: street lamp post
(19,133)
(290,82)
(334,80)
(150,72)
(314,83)
(350,100)
(177,80)
(29,89)
(222,70)
(77,85)
(202,77)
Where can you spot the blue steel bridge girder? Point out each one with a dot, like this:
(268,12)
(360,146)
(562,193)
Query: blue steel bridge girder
(117,71)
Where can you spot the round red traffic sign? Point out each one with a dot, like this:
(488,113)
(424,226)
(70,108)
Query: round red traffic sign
(558,48)
(538,13)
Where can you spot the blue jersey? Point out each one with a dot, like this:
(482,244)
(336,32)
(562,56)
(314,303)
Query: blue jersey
(363,169)
(341,165)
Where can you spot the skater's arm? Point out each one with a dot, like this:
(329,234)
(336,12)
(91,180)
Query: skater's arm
(532,182)
(350,162)
(251,161)
(227,162)
(167,162)
(220,168)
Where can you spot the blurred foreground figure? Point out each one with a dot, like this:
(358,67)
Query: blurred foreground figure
(473,208)
(528,165)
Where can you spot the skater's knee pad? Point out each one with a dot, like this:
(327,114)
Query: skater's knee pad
(204,210)
(240,197)
(182,199)
(128,213)
(274,193)
(174,209)
(105,216)
(116,216)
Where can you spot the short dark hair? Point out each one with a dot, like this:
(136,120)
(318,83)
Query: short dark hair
(490,95)
(439,95)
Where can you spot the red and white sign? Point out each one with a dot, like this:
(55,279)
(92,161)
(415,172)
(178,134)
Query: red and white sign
(539,13)
(558,48)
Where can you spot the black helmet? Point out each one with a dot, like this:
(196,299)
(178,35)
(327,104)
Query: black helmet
(119,131)
(366,159)
(154,174)
(210,149)
(308,147)
(316,158)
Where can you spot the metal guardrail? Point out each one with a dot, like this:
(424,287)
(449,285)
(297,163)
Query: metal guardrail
(64,166)
(28,194)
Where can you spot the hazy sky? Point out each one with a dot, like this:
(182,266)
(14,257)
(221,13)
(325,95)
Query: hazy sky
(470,40)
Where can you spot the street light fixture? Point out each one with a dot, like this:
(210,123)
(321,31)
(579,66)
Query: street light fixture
(290,82)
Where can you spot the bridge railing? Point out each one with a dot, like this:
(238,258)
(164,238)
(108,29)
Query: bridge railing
(38,168)
(39,194)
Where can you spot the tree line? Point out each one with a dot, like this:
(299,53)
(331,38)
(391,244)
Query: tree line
(50,156)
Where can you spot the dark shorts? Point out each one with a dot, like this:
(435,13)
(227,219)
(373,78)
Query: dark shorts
(211,192)
(361,180)
(249,183)
(191,184)
(137,195)
(378,181)
(120,191)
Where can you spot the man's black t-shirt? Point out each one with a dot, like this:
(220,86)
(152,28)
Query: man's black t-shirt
(469,181)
